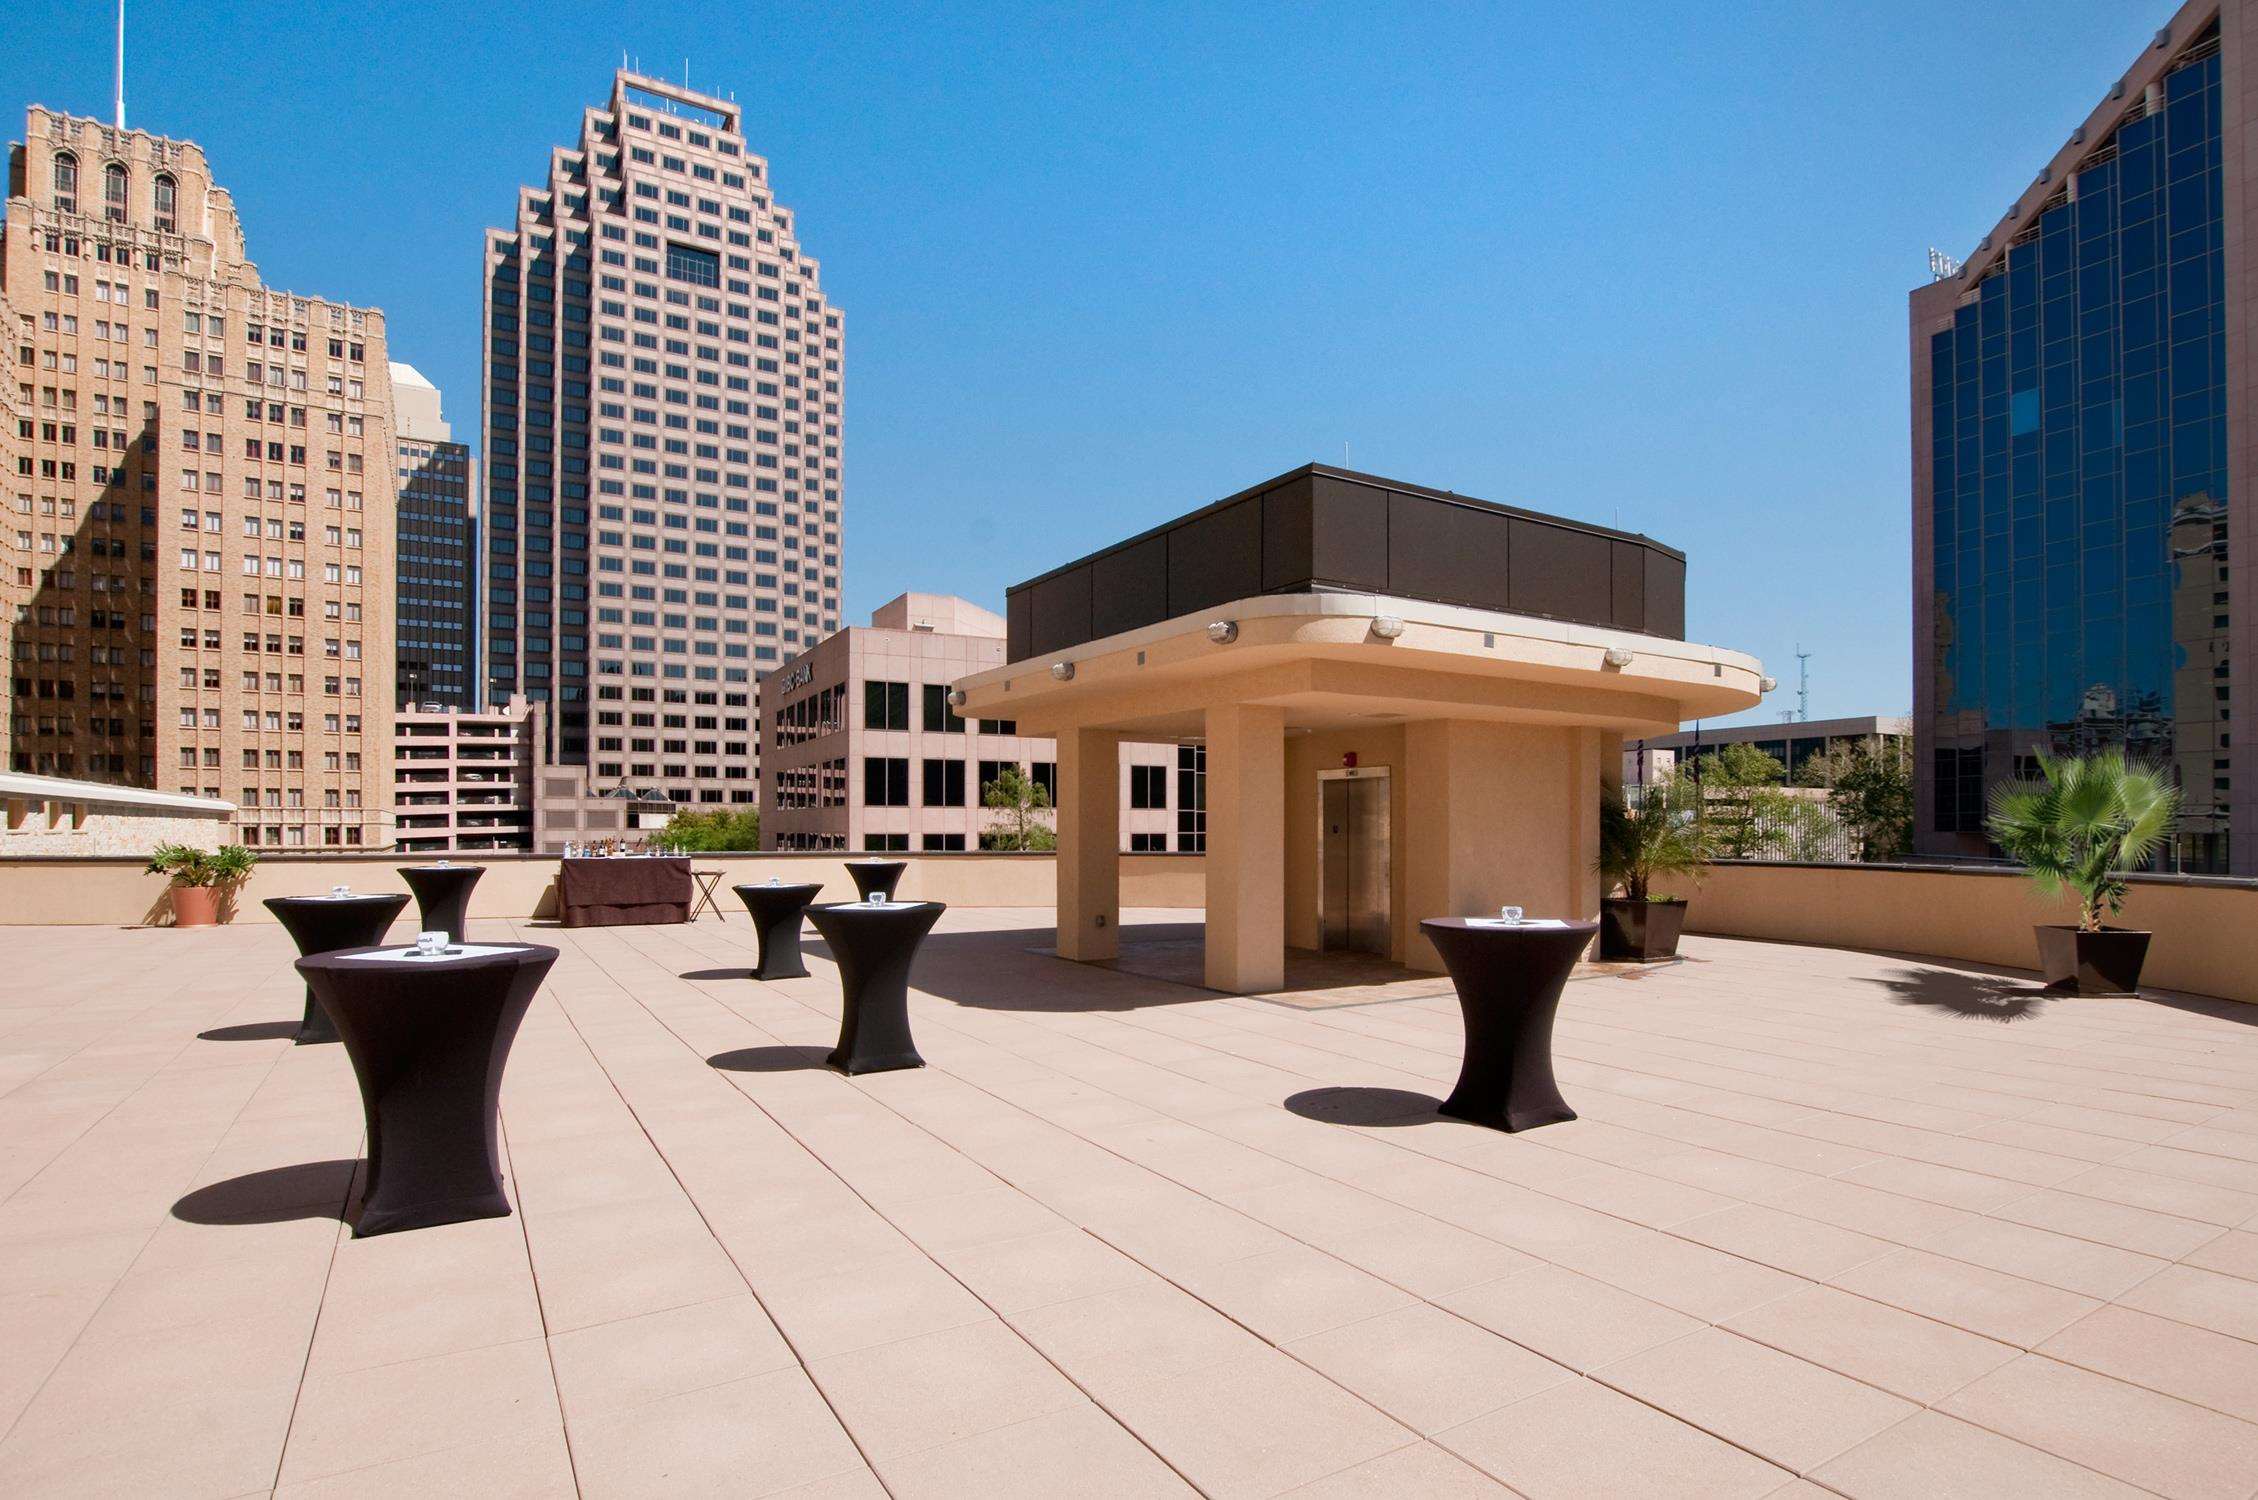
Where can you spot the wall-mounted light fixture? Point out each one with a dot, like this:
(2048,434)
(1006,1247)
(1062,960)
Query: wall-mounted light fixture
(956,697)
(1386,627)
(1223,632)
(1766,684)
(1617,656)
(1063,670)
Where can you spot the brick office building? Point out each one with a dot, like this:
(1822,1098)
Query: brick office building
(195,591)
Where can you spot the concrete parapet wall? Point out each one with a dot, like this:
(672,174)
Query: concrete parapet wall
(115,893)
(2206,929)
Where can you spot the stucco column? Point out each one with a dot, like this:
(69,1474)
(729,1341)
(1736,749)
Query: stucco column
(1246,848)
(1427,848)
(1595,763)
(1089,844)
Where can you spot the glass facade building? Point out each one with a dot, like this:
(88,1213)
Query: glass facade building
(2073,496)
(434,588)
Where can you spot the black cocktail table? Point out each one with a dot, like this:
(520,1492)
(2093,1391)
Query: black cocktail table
(429,1038)
(876,877)
(443,896)
(776,911)
(323,924)
(1509,980)
(873,945)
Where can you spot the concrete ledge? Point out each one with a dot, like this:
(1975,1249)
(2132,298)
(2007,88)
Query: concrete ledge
(65,891)
(2204,925)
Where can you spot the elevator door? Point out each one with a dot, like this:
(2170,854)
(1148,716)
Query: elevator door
(1353,852)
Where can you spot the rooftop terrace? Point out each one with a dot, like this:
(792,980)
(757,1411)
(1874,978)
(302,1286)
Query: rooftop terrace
(1895,1227)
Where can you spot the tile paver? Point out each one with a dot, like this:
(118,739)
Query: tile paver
(1123,1236)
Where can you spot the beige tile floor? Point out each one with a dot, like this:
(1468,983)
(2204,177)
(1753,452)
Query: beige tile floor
(1830,1223)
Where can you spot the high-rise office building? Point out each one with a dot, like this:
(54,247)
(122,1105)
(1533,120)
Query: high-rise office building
(2083,459)
(196,591)
(662,418)
(436,651)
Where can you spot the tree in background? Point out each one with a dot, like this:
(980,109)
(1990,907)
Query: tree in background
(1021,799)
(713,832)
(1741,800)
(1871,787)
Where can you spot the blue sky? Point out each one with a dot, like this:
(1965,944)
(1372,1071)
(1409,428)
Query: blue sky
(1101,265)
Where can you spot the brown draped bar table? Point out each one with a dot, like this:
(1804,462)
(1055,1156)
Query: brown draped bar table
(442,896)
(624,890)
(873,944)
(428,1038)
(323,924)
(776,910)
(1509,978)
(876,877)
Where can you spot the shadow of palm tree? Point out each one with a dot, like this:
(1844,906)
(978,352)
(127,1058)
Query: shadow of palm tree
(251,1031)
(769,1059)
(305,1190)
(1978,997)
(1365,1106)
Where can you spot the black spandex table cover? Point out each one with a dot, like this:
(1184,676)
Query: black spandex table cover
(442,896)
(1509,981)
(776,911)
(873,946)
(323,924)
(429,1039)
(876,876)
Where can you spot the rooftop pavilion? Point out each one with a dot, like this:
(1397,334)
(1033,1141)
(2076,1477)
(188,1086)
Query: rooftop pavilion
(1471,668)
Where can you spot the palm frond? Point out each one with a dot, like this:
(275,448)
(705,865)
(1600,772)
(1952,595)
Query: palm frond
(2092,818)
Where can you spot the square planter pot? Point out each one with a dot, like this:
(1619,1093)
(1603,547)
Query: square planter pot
(1642,932)
(2107,962)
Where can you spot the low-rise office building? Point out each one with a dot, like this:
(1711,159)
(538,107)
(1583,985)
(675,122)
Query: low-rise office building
(860,748)
(1795,744)
(464,780)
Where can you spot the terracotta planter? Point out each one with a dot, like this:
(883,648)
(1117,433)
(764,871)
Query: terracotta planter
(195,906)
(1641,932)
(2107,962)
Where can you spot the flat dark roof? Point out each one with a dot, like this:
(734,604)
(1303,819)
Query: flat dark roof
(1319,529)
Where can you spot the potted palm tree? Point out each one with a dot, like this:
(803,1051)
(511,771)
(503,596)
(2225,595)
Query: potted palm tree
(202,879)
(2077,831)
(1663,837)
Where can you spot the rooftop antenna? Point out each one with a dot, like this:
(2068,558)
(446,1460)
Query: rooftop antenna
(1802,683)
(119,118)
(1344,453)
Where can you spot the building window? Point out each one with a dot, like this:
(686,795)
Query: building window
(168,204)
(113,193)
(946,843)
(1148,786)
(885,781)
(1960,789)
(885,843)
(989,771)
(66,183)
(1191,799)
(1148,843)
(944,783)
(999,726)
(689,263)
(939,717)
(885,705)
